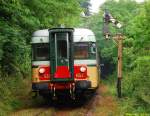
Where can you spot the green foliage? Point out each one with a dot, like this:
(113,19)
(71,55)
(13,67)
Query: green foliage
(137,81)
(123,10)
(85,4)
(10,88)
(136,50)
(18,20)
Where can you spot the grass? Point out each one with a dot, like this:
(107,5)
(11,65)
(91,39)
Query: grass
(11,89)
(111,82)
(128,105)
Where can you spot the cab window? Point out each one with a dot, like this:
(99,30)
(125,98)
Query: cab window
(81,51)
(40,52)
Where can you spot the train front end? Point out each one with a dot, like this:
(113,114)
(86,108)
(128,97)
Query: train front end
(58,62)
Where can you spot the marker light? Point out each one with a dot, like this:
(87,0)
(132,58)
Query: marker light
(82,69)
(41,70)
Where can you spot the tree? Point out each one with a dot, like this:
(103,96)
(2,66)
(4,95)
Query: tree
(18,20)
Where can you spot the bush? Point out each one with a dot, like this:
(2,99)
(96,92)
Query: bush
(137,83)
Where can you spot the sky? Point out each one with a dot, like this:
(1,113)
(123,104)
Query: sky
(96,3)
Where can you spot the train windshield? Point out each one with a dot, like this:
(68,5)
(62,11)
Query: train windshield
(81,51)
(62,50)
(40,52)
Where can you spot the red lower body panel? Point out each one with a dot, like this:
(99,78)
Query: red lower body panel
(62,72)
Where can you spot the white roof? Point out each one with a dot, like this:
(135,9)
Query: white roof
(83,35)
(80,35)
(41,33)
(82,31)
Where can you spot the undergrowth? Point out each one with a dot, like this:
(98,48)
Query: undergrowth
(12,89)
(128,105)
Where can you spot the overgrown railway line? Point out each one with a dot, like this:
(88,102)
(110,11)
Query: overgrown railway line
(99,104)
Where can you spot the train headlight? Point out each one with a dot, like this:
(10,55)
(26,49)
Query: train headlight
(82,69)
(41,70)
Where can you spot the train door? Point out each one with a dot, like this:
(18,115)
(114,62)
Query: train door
(61,55)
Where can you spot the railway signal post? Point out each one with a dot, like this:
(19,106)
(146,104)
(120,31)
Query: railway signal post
(118,39)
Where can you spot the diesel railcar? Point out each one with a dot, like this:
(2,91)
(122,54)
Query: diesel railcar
(64,59)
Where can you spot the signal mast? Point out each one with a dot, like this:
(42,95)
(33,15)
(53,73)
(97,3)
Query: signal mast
(107,18)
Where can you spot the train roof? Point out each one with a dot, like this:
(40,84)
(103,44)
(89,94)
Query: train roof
(41,33)
(80,35)
(83,35)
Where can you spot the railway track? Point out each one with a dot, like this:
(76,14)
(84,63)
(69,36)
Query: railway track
(90,106)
